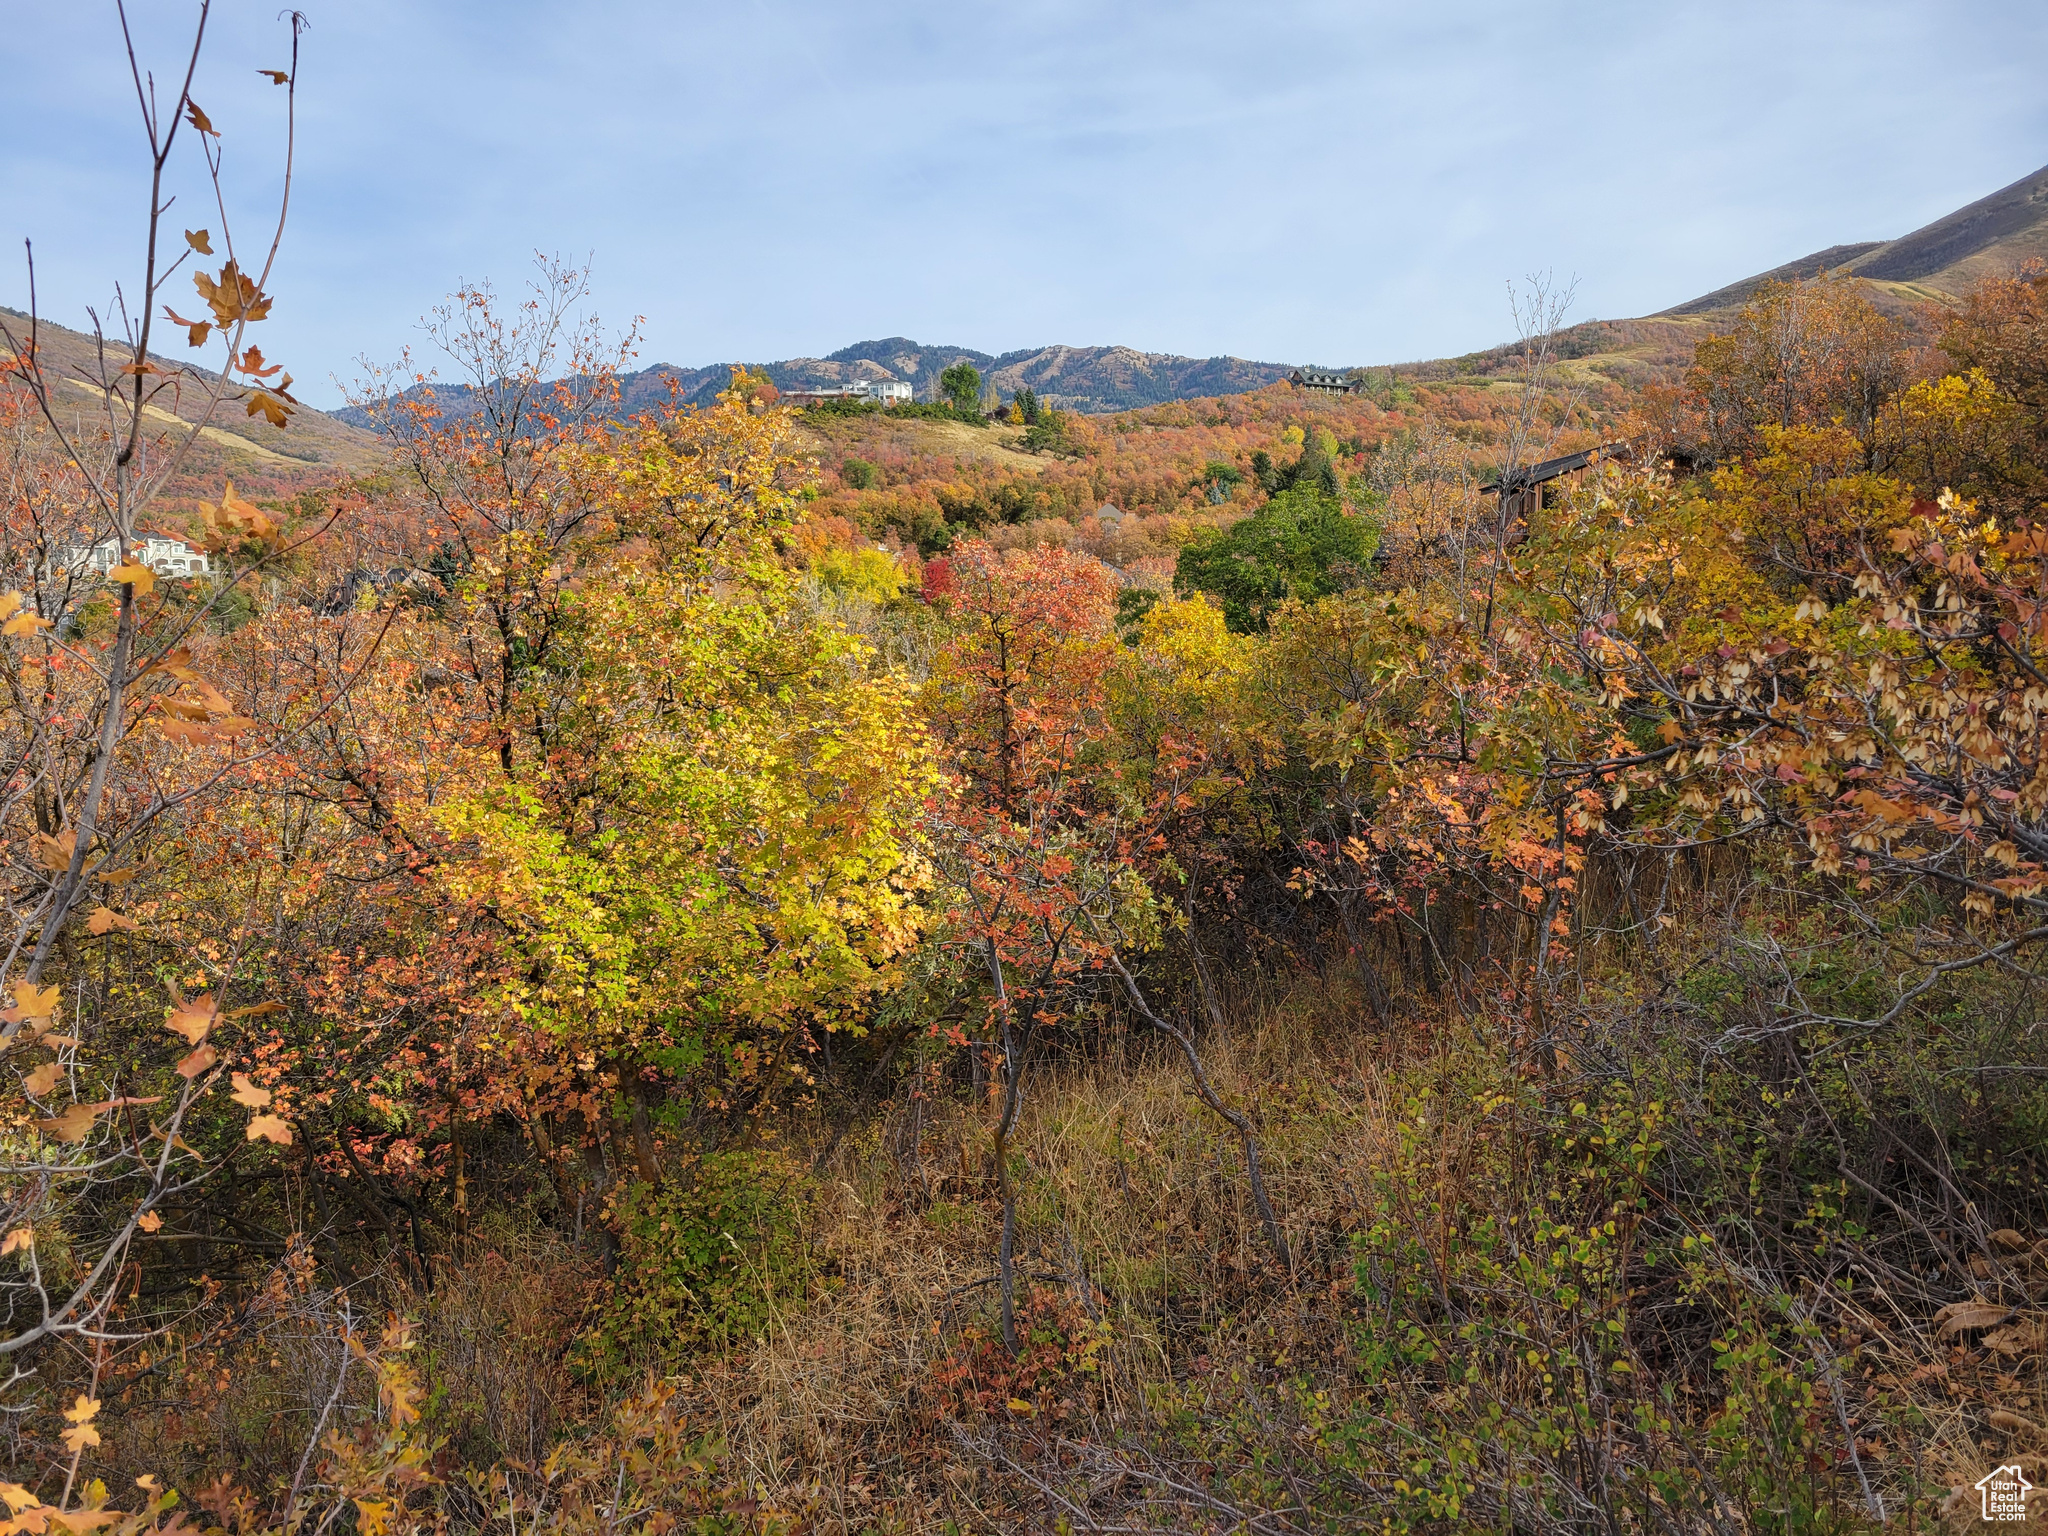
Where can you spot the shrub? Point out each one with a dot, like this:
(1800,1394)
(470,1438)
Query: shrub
(706,1261)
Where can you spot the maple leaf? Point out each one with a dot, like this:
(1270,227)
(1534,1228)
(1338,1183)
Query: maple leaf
(192,1019)
(36,1002)
(200,240)
(197,1062)
(247,1094)
(133,574)
(53,853)
(251,362)
(74,1125)
(272,409)
(24,624)
(43,1079)
(20,1237)
(149,1221)
(269,1128)
(106,920)
(199,119)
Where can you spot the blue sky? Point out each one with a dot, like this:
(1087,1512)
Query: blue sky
(1287,180)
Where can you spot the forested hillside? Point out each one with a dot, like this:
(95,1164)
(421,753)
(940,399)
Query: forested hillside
(1462,956)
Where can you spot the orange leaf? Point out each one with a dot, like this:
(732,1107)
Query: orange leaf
(247,1094)
(149,1221)
(53,853)
(255,1011)
(269,1128)
(74,1125)
(20,1237)
(24,624)
(192,1019)
(199,119)
(277,76)
(135,575)
(106,920)
(197,1062)
(201,240)
(43,1079)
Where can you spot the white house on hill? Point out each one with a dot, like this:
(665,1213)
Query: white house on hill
(164,553)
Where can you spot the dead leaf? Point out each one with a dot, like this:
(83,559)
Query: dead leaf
(43,1079)
(1970,1316)
(197,1062)
(149,1221)
(199,119)
(24,624)
(115,876)
(76,1439)
(201,240)
(20,1237)
(269,1128)
(256,1010)
(2009,1240)
(53,852)
(247,1094)
(106,920)
(277,76)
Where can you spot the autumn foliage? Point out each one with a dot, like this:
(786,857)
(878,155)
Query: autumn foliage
(532,961)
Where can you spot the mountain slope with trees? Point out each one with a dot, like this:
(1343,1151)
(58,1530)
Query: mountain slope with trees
(1463,956)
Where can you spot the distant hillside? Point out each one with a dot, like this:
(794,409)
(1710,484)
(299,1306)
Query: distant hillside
(1939,261)
(315,448)
(1091,379)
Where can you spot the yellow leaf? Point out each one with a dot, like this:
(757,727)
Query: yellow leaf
(201,240)
(24,624)
(133,574)
(1018,1405)
(149,1221)
(269,1128)
(43,1079)
(116,876)
(10,603)
(247,1093)
(36,1002)
(18,1498)
(199,119)
(20,1237)
(82,1411)
(192,1019)
(277,76)
(77,1438)
(197,1062)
